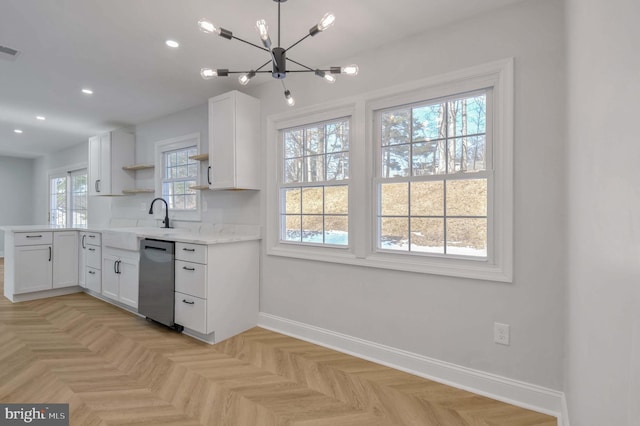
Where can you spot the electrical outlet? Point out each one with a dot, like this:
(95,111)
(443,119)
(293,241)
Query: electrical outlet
(501,333)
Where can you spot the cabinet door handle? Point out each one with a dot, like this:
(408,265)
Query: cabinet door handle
(188,249)
(188,303)
(84,237)
(188,269)
(92,249)
(91,236)
(34,236)
(50,254)
(116,266)
(92,272)
(98,185)
(209,175)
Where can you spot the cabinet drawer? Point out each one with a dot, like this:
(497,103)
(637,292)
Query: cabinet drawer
(94,256)
(94,238)
(191,278)
(33,238)
(191,312)
(93,280)
(191,252)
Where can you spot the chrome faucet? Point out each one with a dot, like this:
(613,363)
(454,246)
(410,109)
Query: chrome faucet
(166,209)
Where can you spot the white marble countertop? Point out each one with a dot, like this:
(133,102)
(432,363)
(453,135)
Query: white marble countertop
(127,237)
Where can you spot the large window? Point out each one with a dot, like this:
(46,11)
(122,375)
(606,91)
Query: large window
(314,186)
(419,178)
(68,198)
(432,181)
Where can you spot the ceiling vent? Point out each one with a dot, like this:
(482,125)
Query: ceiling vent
(8,53)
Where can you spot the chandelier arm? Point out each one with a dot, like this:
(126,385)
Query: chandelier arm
(262,66)
(297,42)
(302,65)
(252,44)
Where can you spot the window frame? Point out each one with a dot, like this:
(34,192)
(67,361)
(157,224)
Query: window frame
(499,76)
(282,185)
(69,203)
(161,148)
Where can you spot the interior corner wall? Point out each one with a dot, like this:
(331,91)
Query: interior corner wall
(16,176)
(603,315)
(451,319)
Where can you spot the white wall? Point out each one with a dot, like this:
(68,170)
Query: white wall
(236,207)
(451,319)
(16,180)
(603,345)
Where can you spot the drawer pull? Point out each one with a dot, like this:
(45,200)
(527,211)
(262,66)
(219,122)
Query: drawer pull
(188,269)
(92,272)
(34,236)
(92,249)
(188,249)
(188,303)
(91,236)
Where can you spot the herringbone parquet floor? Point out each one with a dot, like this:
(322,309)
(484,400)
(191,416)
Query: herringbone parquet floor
(115,368)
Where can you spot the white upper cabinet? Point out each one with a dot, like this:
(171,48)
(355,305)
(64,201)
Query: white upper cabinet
(234,142)
(108,153)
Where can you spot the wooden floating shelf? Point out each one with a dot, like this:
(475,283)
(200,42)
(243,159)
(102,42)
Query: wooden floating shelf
(199,187)
(138,191)
(199,157)
(138,167)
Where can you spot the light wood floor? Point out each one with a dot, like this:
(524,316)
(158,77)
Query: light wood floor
(115,368)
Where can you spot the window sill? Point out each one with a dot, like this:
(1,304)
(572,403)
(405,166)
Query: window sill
(460,268)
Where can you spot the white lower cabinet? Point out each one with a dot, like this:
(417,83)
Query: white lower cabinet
(65,259)
(33,268)
(216,288)
(120,276)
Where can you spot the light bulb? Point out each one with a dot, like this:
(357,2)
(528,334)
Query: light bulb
(289,98)
(263,29)
(350,70)
(326,76)
(327,20)
(208,27)
(245,78)
(208,73)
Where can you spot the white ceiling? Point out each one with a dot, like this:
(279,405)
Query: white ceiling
(116,47)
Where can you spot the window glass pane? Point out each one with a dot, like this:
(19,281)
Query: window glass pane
(394,127)
(337,136)
(190,202)
(467,197)
(467,237)
(312,229)
(314,143)
(293,170)
(193,170)
(336,230)
(178,202)
(315,168)
(293,226)
(395,161)
(428,122)
(427,235)
(293,143)
(292,201)
(338,166)
(427,198)
(394,233)
(428,158)
(336,199)
(312,201)
(394,199)
(467,116)
(466,154)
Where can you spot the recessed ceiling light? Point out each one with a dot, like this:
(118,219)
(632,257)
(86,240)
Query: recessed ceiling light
(41,117)
(87,91)
(172,43)
(17,131)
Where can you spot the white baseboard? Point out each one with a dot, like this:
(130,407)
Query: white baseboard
(521,394)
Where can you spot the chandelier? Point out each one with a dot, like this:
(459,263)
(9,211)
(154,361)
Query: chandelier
(278,55)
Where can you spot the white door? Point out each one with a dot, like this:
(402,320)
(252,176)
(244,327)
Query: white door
(95,174)
(33,268)
(110,281)
(105,164)
(222,141)
(82,259)
(128,282)
(65,259)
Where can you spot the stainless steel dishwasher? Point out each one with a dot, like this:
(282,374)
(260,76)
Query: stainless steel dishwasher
(157,282)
